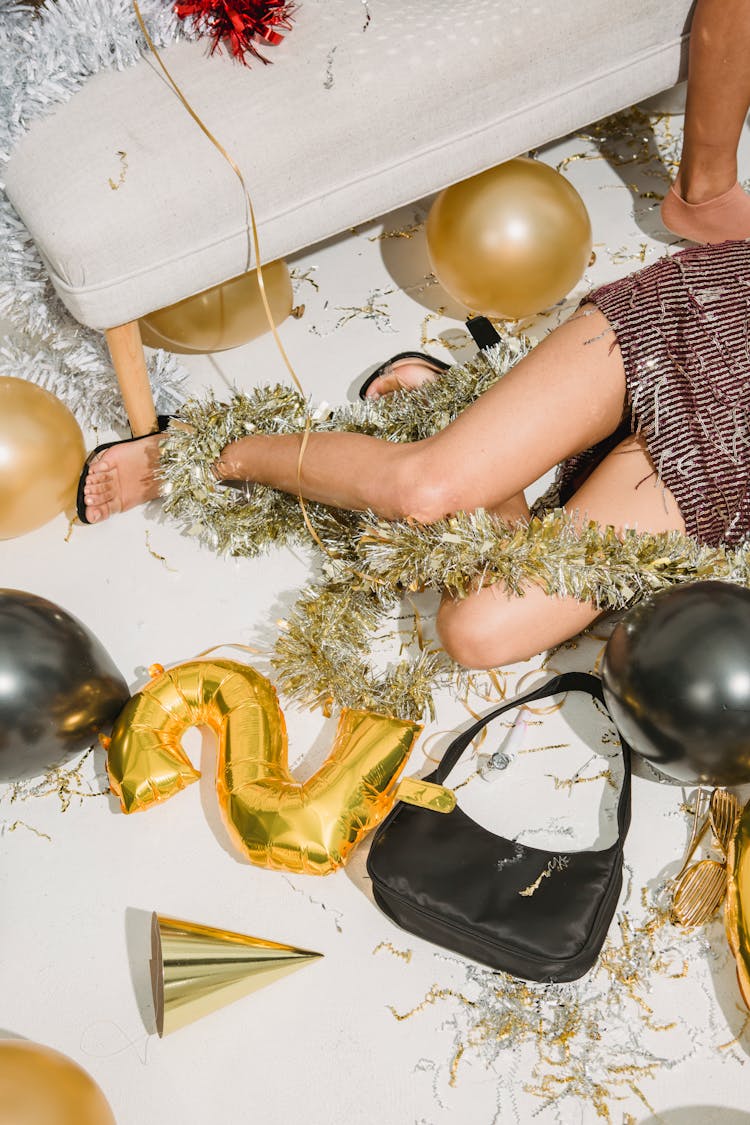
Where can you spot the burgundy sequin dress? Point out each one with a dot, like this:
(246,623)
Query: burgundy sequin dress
(683,326)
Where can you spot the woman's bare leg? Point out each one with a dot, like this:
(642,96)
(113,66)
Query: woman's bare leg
(492,628)
(718,97)
(707,204)
(566,395)
(407,375)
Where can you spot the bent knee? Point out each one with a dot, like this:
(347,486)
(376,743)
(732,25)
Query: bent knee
(422,490)
(476,638)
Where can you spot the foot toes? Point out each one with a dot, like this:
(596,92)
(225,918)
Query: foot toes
(385,384)
(97,482)
(121,477)
(99,465)
(97,485)
(374,390)
(101,508)
(97,496)
(98,470)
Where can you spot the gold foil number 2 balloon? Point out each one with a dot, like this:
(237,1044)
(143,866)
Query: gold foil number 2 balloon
(276,821)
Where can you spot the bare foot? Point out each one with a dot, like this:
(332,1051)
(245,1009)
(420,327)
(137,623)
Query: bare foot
(122,477)
(717,218)
(403,375)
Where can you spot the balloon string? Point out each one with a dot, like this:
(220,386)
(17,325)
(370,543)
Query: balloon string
(258,266)
(238,172)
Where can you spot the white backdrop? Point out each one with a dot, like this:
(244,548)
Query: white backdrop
(78,879)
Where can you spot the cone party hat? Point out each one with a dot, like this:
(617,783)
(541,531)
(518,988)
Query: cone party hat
(196,969)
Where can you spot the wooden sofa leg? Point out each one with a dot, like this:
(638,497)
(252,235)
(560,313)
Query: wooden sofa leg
(129,361)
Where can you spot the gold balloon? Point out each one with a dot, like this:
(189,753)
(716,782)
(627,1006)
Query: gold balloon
(41,454)
(225,316)
(737,906)
(511,241)
(39,1086)
(276,821)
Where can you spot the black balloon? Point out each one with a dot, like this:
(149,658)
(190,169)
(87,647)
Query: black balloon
(676,675)
(58,686)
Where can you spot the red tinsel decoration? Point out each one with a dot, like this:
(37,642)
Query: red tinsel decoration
(242,23)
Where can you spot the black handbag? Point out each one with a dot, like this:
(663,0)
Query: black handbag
(445,878)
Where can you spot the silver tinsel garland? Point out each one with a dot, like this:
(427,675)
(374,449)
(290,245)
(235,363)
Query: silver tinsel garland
(229,523)
(321,655)
(47,53)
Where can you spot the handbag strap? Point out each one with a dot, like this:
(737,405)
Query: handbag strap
(566,681)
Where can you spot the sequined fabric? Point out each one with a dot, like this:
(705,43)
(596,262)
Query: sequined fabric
(683,328)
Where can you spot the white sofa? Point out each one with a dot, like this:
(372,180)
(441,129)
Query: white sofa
(369,104)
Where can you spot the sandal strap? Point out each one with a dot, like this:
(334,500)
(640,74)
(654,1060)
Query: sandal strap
(483,332)
(431,360)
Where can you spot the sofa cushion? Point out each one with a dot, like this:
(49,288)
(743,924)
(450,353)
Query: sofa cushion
(367,106)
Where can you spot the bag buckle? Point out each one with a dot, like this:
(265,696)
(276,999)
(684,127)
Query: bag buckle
(426,795)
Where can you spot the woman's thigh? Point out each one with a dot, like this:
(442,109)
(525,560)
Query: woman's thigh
(565,396)
(492,628)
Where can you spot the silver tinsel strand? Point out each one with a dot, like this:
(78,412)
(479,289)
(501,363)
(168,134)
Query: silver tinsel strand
(585,1047)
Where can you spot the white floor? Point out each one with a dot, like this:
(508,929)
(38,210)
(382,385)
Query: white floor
(657,1033)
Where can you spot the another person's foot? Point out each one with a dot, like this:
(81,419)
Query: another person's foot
(121,478)
(701,218)
(405,374)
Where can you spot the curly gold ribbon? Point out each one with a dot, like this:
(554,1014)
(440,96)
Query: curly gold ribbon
(258,265)
(547,709)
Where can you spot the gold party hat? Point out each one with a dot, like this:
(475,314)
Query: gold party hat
(196,969)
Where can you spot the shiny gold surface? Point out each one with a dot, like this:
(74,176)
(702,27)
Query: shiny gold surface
(426,795)
(737,907)
(699,889)
(41,456)
(197,969)
(699,893)
(724,812)
(701,822)
(222,317)
(276,821)
(39,1086)
(511,241)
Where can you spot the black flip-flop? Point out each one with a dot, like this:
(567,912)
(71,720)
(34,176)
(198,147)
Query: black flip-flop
(483,333)
(437,365)
(163,421)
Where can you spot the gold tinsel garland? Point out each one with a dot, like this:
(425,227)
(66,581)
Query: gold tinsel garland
(588,562)
(321,652)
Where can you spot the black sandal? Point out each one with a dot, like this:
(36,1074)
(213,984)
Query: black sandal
(437,365)
(483,333)
(163,421)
